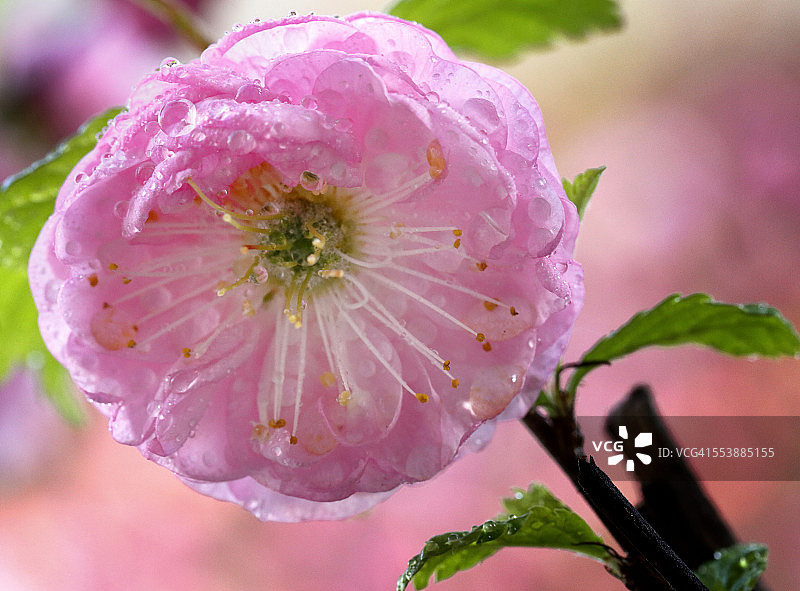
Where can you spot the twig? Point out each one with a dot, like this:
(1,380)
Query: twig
(650,564)
(673,500)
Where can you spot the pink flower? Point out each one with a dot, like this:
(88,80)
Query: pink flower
(303,269)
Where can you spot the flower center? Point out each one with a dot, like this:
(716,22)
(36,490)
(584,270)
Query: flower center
(296,238)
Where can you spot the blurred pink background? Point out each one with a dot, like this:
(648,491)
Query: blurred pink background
(695,109)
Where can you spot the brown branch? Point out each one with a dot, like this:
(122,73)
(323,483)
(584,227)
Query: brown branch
(674,501)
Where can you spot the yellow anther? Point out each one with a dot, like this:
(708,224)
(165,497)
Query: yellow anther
(126,280)
(487,346)
(92,279)
(457,243)
(344,397)
(327,379)
(436,161)
(279,424)
(513,311)
(187,352)
(454,383)
(131,344)
(293,440)
(457,232)
(481,266)
(312,259)
(446,365)
(480,337)
(423,398)
(489,305)
(113,266)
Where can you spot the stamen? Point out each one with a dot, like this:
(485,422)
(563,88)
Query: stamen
(423,398)
(301,376)
(454,286)
(187,352)
(418,298)
(223,290)
(281,348)
(371,347)
(228,212)
(383,315)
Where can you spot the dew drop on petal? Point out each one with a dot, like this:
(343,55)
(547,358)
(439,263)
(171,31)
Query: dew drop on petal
(168,62)
(177,117)
(309,102)
(493,388)
(73,248)
(482,114)
(539,209)
(143,173)
(249,93)
(121,209)
(241,142)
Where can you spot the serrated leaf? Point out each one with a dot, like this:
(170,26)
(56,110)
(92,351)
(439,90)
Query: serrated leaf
(580,190)
(754,330)
(27,198)
(535,518)
(502,29)
(736,569)
(23,344)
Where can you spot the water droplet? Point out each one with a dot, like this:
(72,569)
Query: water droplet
(541,182)
(177,117)
(143,173)
(482,114)
(51,291)
(80,178)
(249,93)
(311,182)
(73,248)
(539,209)
(152,127)
(241,142)
(121,209)
(309,102)
(432,97)
(343,124)
(184,380)
(169,62)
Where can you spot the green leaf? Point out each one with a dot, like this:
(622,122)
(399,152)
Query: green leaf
(23,344)
(734,569)
(27,198)
(754,330)
(580,190)
(535,518)
(502,29)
